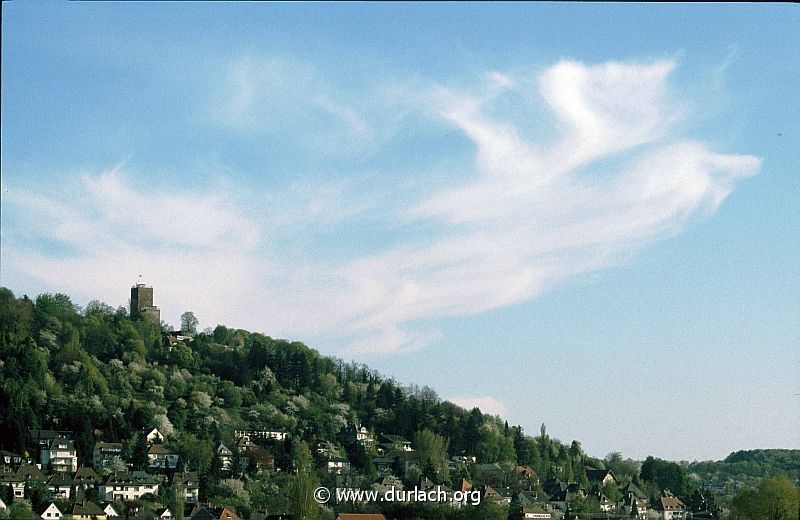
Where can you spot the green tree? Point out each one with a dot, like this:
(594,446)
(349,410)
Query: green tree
(585,507)
(612,492)
(431,452)
(490,510)
(181,356)
(775,498)
(515,511)
(15,315)
(667,475)
(189,323)
(7,493)
(19,510)
(139,453)
(305,482)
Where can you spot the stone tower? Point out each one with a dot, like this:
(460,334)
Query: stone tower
(142,303)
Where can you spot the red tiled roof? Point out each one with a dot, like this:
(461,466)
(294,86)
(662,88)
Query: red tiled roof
(160,449)
(670,503)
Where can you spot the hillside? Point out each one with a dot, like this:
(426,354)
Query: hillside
(746,468)
(105,378)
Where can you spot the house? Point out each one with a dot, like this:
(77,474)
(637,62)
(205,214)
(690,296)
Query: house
(190,484)
(29,472)
(161,457)
(85,478)
(388,483)
(360,516)
(163,513)
(353,434)
(397,462)
(60,455)
(141,511)
(128,486)
(10,478)
(274,434)
(51,512)
(463,485)
(535,512)
(382,464)
(14,460)
(104,453)
(174,337)
(213,513)
(600,477)
(152,435)
(225,457)
(669,507)
(633,503)
(245,446)
(500,496)
(109,510)
(24,474)
(606,505)
(42,438)
(60,485)
(566,493)
(393,442)
(88,511)
(336,464)
(528,498)
(553,485)
(634,498)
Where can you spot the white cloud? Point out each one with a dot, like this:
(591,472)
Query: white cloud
(487,404)
(526,217)
(194,247)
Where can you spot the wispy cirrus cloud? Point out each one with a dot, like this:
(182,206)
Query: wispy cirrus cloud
(527,214)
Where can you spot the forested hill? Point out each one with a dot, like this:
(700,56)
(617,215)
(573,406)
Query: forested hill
(103,377)
(96,372)
(749,466)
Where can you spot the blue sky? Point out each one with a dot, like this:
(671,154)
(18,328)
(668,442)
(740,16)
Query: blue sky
(582,215)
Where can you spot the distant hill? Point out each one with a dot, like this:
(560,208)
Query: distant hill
(747,466)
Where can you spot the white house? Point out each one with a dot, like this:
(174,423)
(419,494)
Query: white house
(536,512)
(60,485)
(9,478)
(278,435)
(159,456)
(51,513)
(669,507)
(61,454)
(225,457)
(128,486)
(108,508)
(337,464)
(152,435)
